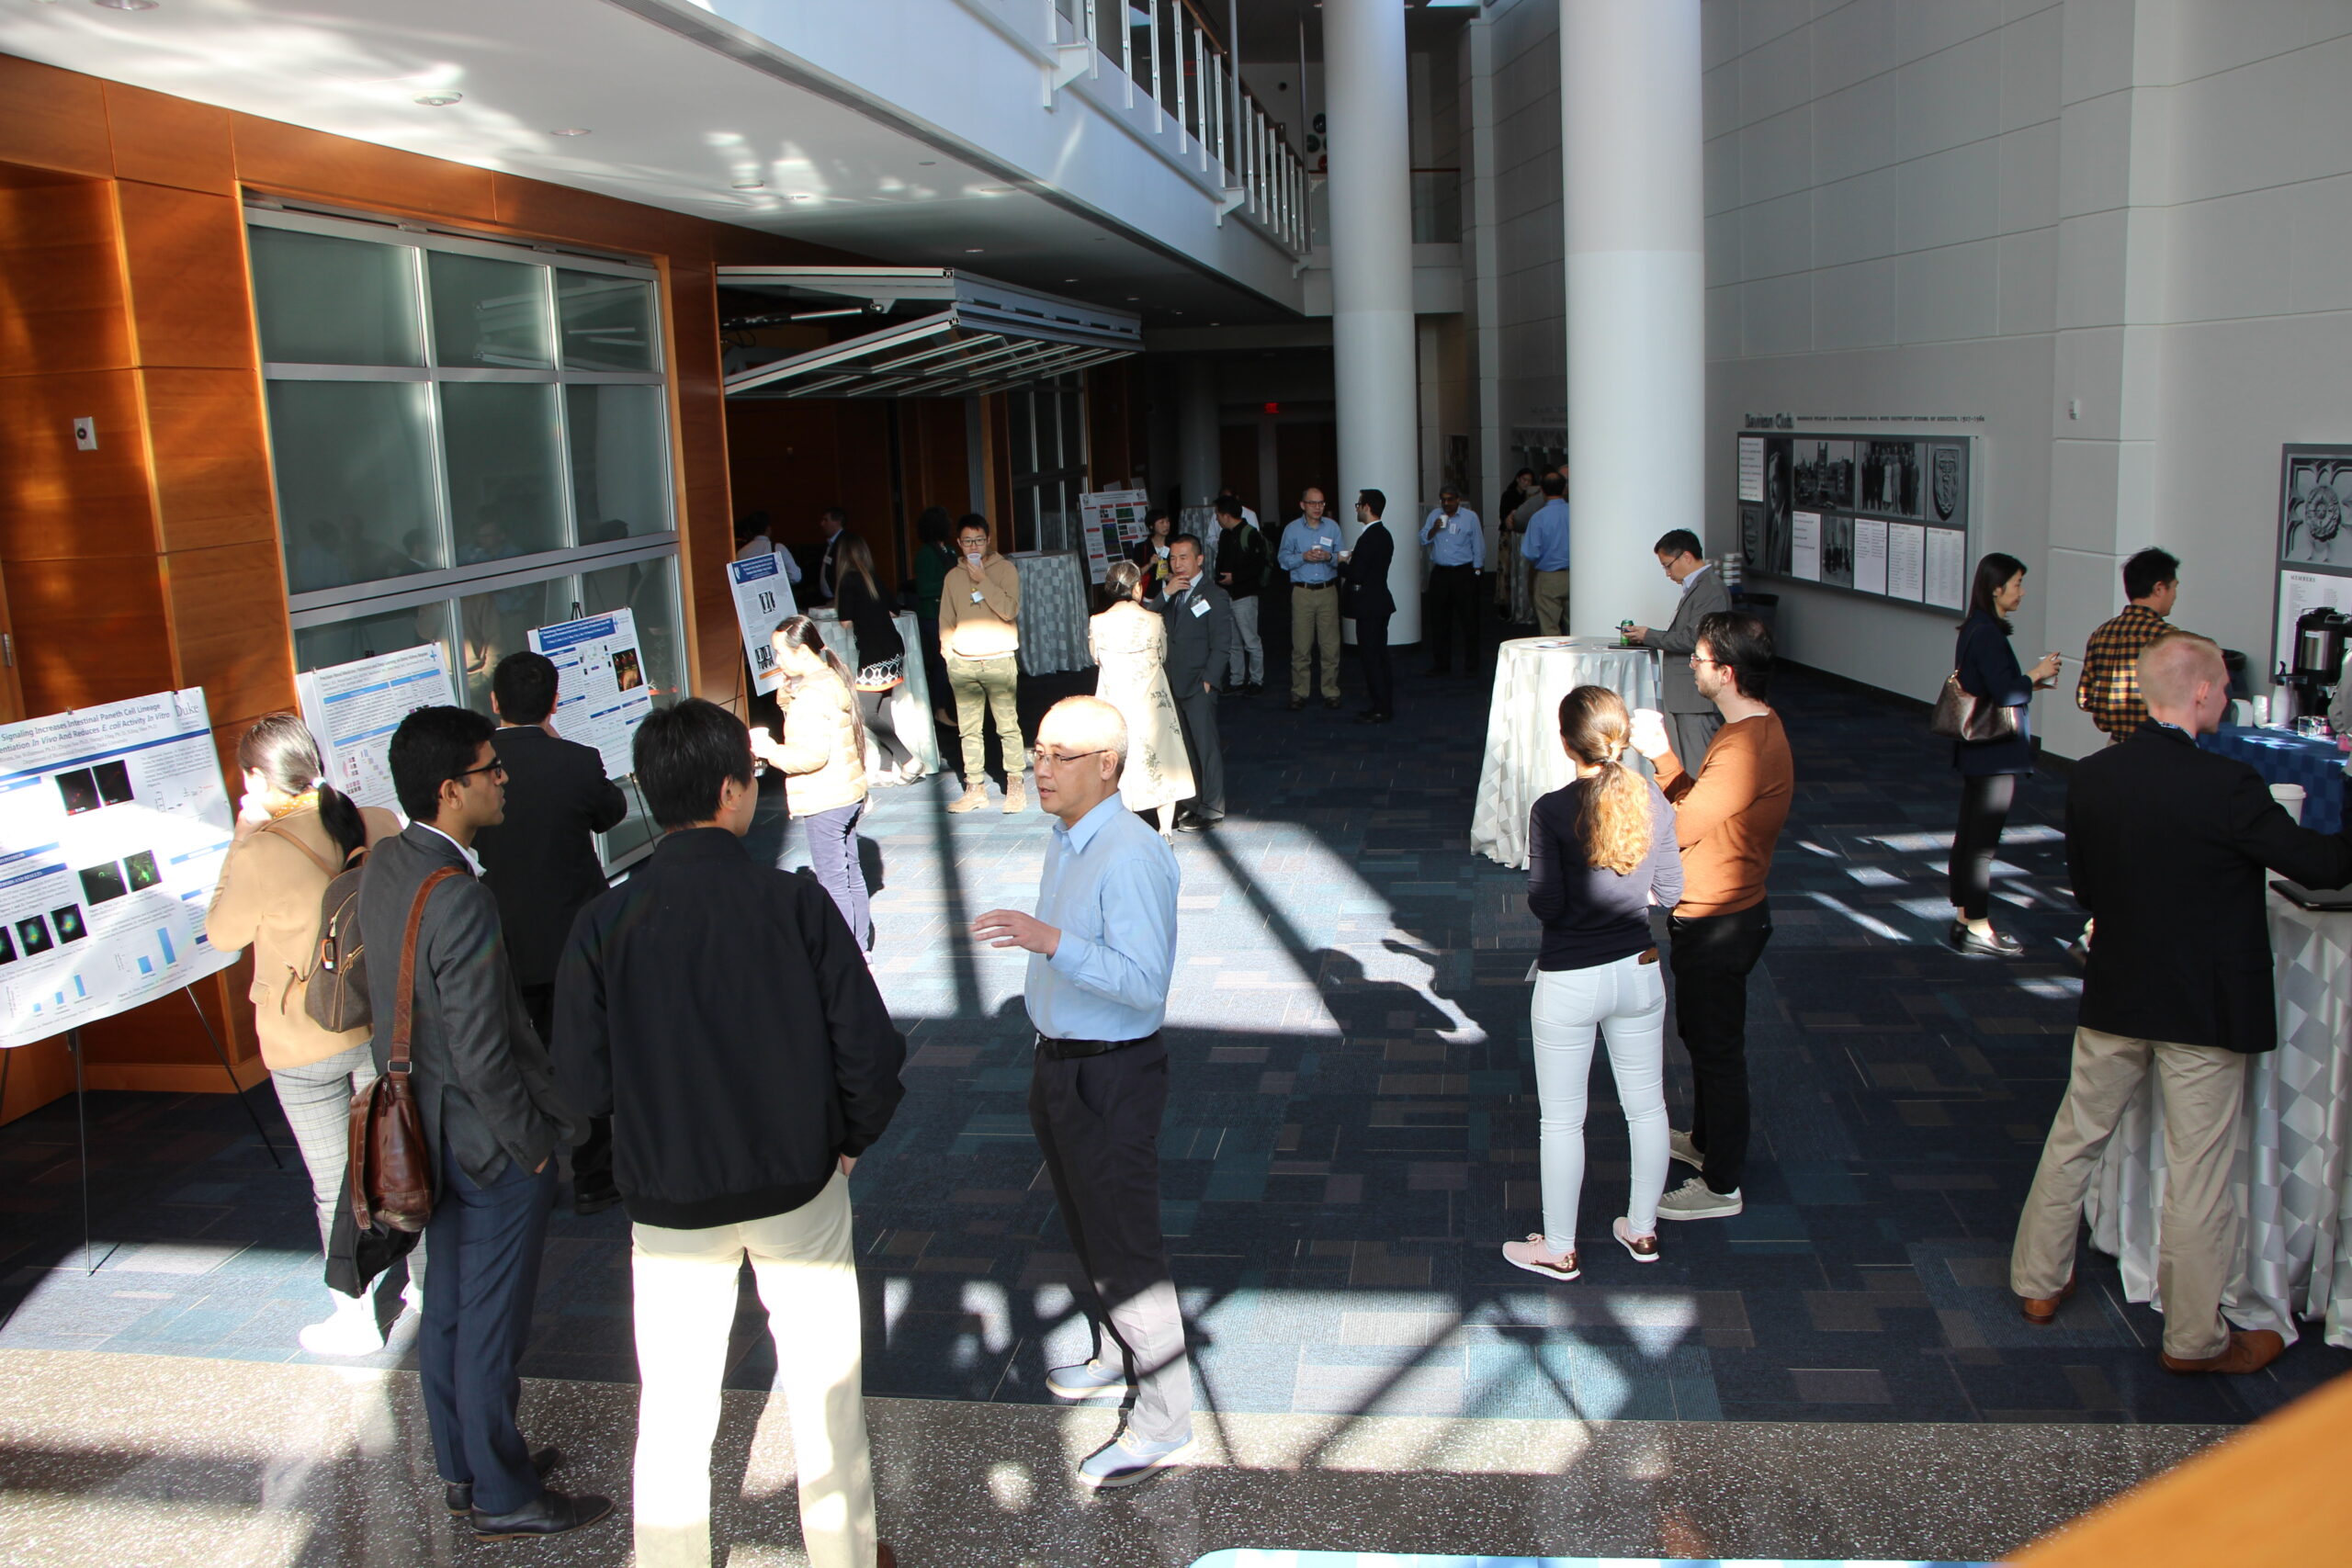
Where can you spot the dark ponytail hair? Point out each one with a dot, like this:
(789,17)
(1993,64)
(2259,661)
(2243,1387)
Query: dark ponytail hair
(802,633)
(281,748)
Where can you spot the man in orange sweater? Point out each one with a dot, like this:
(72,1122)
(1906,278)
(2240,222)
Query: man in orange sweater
(1727,817)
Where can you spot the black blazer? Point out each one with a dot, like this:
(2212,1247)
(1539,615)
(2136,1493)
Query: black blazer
(483,1078)
(2167,846)
(1363,581)
(1988,667)
(541,862)
(1199,646)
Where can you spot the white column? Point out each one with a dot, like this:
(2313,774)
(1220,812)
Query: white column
(1630,133)
(1197,432)
(1371,197)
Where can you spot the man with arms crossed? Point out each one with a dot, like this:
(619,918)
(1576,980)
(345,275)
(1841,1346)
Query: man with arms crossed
(1691,718)
(1310,553)
(2166,845)
(1727,818)
(724,1006)
(1102,947)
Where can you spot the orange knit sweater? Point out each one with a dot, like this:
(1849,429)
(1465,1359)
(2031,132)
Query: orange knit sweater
(1728,816)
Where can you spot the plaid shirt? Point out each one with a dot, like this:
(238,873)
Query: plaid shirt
(2109,689)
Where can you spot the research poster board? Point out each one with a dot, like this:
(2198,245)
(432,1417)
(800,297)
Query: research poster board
(763,593)
(1111,520)
(353,708)
(1882,516)
(602,695)
(113,825)
(2315,565)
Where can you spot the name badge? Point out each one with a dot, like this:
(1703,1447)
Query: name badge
(1200,607)
(976,598)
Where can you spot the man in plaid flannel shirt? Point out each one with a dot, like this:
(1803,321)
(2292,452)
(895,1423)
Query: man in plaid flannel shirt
(2109,689)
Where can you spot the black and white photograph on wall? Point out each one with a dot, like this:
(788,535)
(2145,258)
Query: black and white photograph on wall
(1946,481)
(1891,479)
(1838,550)
(2314,504)
(1751,536)
(1777,458)
(1825,473)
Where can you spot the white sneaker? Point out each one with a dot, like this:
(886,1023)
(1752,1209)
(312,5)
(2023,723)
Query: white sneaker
(349,1330)
(1693,1201)
(1679,1146)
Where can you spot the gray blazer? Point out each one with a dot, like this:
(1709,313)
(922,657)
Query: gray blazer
(483,1078)
(1679,639)
(1198,646)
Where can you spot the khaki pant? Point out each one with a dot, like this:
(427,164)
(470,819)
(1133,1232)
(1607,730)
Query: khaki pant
(2202,1088)
(807,1274)
(1551,603)
(982,687)
(1315,620)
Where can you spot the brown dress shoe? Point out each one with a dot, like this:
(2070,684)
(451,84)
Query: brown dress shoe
(2250,1350)
(883,1556)
(2042,1311)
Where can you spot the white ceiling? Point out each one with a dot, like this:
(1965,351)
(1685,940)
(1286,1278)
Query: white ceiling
(670,123)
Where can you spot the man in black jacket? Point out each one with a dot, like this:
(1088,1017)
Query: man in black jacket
(1365,596)
(1199,640)
(727,1007)
(2166,846)
(541,864)
(493,1119)
(1242,559)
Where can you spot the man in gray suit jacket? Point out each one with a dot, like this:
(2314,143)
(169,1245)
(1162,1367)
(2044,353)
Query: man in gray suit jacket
(1690,718)
(493,1121)
(1200,637)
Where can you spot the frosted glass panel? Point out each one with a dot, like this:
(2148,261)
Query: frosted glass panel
(355,496)
(491,625)
(315,648)
(491,314)
(506,487)
(620,470)
(321,300)
(607,323)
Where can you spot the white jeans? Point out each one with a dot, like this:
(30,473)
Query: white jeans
(1626,1002)
(807,1274)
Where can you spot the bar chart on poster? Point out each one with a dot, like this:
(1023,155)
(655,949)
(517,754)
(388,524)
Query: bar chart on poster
(1889,516)
(601,694)
(113,825)
(353,708)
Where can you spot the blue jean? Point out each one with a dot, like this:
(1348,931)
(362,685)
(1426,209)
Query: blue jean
(832,852)
(486,1245)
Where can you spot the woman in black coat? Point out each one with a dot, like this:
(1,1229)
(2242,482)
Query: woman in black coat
(1989,770)
(1150,552)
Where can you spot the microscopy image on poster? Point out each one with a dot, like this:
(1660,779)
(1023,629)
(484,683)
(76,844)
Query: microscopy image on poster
(103,883)
(79,790)
(68,923)
(601,694)
(139,871)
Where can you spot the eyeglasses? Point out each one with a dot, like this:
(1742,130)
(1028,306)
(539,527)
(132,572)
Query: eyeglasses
(1041,757)
(491,767)
(1716,663)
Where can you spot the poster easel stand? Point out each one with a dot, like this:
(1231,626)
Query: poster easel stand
(236,1090)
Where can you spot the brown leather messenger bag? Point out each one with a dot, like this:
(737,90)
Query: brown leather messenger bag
(390,1173)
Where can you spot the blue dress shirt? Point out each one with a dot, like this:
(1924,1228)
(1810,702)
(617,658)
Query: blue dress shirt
(1299,538)
(1110,884)
(1546,544)
(1457,540)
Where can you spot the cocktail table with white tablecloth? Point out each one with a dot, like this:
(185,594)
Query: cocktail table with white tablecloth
(1525,761)
(909,700)
(1054,611)
(2292,1175)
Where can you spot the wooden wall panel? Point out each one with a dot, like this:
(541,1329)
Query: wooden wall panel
(939,469)
(86,633)
(206,435)
(184,252)
(62,308)
(57,500)
(229,623)
(288,158)
(53,119)
(166,141)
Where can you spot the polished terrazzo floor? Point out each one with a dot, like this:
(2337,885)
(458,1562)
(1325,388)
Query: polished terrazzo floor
(1351,1136)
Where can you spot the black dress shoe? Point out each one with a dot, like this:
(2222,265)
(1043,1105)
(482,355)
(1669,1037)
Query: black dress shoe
(1381,718)
(2000,944)
(460,1494)
(594,1200)
(1330,702)
(550,1513)
(1367,717)
(1198,824)
(1297,704)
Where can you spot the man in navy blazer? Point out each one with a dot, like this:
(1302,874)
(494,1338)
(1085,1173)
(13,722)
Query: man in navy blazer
(1364,597)
(1200,640)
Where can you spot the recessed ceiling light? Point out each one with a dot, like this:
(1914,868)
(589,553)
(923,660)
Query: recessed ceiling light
(439,99)
(1131,299)
(574,130)
(1070,280)
(802,196)
(926,162)
(125,4)
(972,249)
(750,185)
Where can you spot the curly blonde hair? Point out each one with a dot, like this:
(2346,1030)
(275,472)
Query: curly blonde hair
(1595,727)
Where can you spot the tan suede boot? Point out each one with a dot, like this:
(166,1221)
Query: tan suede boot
(971,800)
(1016,793)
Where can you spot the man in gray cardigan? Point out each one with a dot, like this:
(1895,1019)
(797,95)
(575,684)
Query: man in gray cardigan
(1690,718)
(486,1092)
(1200,637)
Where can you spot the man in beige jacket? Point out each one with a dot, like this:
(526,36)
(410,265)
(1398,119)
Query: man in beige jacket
(980,632)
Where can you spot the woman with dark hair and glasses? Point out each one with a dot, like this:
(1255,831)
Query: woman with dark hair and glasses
(1989,770)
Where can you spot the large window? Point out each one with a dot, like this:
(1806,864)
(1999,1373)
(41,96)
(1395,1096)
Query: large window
(1048,425)
(471,439)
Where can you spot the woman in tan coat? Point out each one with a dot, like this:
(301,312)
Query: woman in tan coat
(823,757)
(294,835)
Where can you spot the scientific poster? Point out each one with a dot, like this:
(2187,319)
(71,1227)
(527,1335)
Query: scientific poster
(1870,555)
(1751,468)
(1111,520)
(113,825)
(1804,546)
(1906,560)
(601,691)
(1947,568)
(353,708)
(762,597)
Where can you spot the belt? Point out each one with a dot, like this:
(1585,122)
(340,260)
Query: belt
(1333,583)
(1064,1050)
(1451,566)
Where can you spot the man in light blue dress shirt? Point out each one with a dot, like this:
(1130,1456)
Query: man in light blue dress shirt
(1457,543)
(1546,549)
(1103,953)
(1310,553)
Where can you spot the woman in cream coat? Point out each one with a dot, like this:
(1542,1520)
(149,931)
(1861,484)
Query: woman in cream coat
(294,835)
(823,757)
(1130,648)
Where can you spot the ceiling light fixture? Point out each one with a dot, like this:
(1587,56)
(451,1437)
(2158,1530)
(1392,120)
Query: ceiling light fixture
(750,185)
(802,196)
(124,5)
(439,99)
(972,249)
(574,130)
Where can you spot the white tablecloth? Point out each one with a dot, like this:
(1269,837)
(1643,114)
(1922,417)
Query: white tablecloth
(2291,1178)
(1053,613)
(1524,757)
(909,700)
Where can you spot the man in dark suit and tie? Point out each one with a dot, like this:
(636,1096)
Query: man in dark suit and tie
(542,867)
(1200,640)
(1365,596)
(2166,846)
(1690,718)
(491,1117)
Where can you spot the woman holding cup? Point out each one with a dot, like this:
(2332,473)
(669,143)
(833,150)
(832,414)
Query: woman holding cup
(1987,670)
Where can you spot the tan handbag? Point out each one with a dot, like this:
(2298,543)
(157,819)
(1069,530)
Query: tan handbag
(390,1166)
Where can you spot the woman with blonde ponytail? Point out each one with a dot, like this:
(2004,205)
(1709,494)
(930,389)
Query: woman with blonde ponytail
(1601,855)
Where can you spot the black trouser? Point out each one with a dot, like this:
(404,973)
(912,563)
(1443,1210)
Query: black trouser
(1196,711)
(880,723)
(591,1158)
(1984,802)
(1453,611)
(1379,675)
(1710,958)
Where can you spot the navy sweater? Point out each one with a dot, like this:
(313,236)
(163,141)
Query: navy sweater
(1591,915)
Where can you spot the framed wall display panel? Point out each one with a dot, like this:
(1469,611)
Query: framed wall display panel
(2314,540)
(1889,516)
